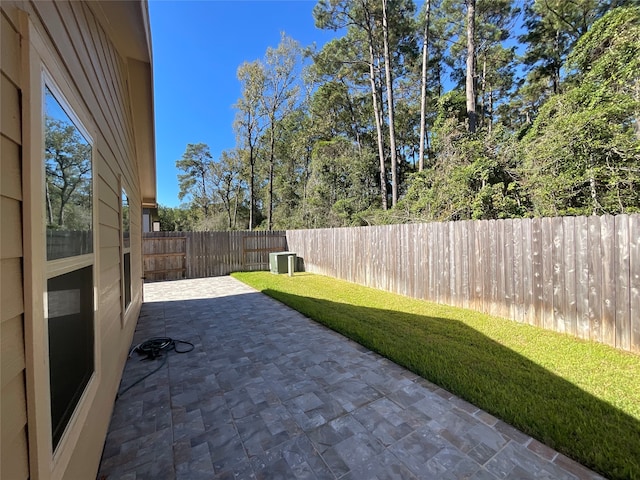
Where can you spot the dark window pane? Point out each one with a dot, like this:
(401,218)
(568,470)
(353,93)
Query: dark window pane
(68,184)
(71,363)
(127,279)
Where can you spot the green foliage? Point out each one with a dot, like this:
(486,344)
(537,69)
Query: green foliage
(195,182)
(582,155)
(340,184)
(608,55)
(578,397)
(176,219)
(558,130)
(474,179)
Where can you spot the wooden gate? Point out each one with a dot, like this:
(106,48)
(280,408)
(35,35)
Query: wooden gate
(165,258)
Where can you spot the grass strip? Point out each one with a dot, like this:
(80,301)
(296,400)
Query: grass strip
(578,397)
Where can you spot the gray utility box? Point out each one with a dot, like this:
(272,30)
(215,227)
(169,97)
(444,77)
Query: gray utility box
(279,261)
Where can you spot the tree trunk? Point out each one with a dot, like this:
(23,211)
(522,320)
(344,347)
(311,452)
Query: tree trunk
(378,116)
(235,208)
(390,105)
(423,93)
(471,62)
(272,146)
(228,208)
(251,188)
(49,208)
(490,116)
(483,91)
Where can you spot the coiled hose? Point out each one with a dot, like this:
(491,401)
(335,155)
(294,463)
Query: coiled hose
(152,349)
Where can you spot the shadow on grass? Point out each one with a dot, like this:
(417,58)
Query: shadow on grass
(493,377)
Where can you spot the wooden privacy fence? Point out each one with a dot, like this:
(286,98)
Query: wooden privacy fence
(578,275)
(175,255)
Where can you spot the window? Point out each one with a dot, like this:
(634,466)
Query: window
(69,268)
(70,310)
(68,184)
(126,248)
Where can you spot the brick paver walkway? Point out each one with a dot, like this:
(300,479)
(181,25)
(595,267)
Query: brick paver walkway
(270,394)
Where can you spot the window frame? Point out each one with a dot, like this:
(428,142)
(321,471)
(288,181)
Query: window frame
(43,70)
(72,263)
(57,267)
(124,250)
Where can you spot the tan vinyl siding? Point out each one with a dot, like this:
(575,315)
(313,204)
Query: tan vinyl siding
(97,75)
(14,458)
(98,72)
(15,461)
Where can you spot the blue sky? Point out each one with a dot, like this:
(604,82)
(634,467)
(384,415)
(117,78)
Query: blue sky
(197,48)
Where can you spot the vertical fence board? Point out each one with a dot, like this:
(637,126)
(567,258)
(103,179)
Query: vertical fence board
(608,241)
(582,277)
(517,312)
(569,281)
(445,290)
(527,281)
(454,278)
(507,240)
(559,294)
(634,279)
(484,264)
(458,264)
(501,293)
(622,274)
(430,262)
(547,274)
(470,246)
(537,293)
(465,265)
(493,268)
(595,279)
(419,265)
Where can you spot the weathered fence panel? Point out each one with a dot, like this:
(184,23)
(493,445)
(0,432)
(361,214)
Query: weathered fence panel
(164,257)
(578,275)
(176,255)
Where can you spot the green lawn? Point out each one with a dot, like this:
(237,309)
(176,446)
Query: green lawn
(578,397)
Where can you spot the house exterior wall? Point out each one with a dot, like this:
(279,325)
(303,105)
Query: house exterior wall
(13,407)
(68,40)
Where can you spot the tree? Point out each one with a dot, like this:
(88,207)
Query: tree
(195,182)
(379,39)
(476,51)
(357,16)
(279,97)
(227,184)
(340,184)
(248,124)
(388,73)
(68,176)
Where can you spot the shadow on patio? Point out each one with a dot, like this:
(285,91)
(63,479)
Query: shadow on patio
(267,393)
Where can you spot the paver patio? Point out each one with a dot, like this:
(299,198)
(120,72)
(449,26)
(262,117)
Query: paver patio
(269,394)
